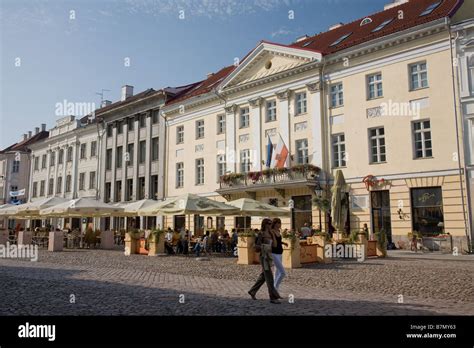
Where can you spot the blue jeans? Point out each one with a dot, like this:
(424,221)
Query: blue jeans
(197,249)
(279,270)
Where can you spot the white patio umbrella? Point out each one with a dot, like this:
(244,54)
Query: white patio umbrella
(8,210)
(32,209)
(252,207)
(81,207)
(137,208)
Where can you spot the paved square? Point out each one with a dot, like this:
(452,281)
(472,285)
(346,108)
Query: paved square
(99,282)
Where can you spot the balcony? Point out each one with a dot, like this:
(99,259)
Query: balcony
(278,179)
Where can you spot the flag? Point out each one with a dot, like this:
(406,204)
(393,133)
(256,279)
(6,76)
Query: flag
(269,152)
(281,154)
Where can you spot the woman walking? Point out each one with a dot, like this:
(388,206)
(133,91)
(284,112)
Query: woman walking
(265,240)
(277,252)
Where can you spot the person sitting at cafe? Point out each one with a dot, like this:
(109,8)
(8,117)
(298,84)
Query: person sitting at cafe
(235,239)
(305,231)
(214,241)
(184,244)
(198,247)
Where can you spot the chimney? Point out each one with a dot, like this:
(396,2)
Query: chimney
(43,127)
(37,130)
(105,103)
(127,91)
(29,134)
(395,3)
(301,38)
(210,75)
(336,26)
(25,136)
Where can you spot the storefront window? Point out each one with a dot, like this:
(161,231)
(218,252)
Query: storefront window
(427,210)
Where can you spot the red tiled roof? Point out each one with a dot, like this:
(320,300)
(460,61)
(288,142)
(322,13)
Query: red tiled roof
(360,34)
(204,86)
(23,145)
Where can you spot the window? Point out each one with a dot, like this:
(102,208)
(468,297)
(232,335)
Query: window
(382,25)
(179,134)
(377,145)
(118,191)
(199,129)
(154,149)
(155,117)
(142,152)
(220,124)
(108,191)
(337,95)
(307,43)
(82,183)
(221,166)
(35,189)
(244,117)
(141,188)
(108,159)
(59,185)
(92,179)
(366,21)
(119,127)
(119,157)
(61,156)
(300,103)
(50,186)
(52,158)
(271,114)
(342,38)
(471,73)
(43,162)
(302,151)
(374,86)
(110,129)
(129,192)
(69,154)
(42,184)
(154,186)
(16,167)
(82,152)
(430,8)
(427,210)
(422,139)
(36,163)
(245,161)
(418,76)
(339,150)
(130,153)
(200,171)
(68,183)
(94,148)
(179,174)
(131,124)
(143,121)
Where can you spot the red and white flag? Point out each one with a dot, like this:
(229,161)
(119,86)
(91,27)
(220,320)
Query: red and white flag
(280,154)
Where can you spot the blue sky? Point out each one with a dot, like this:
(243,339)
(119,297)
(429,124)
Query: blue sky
(49,54)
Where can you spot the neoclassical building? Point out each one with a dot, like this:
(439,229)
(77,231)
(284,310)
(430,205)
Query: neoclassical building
(371,98)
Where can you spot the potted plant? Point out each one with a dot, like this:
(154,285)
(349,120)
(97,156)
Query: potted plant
(291,251)
(156,242)
(381,238)
(246,241)
(132,242)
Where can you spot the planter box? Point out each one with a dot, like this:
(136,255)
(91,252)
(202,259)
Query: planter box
(371,248)
(25,237)
(4,237)
(308,252)
(107,240)
(56,241)
(245,250)
(156,247)
(291,254)
(131,245)
(142,250)
(321,243)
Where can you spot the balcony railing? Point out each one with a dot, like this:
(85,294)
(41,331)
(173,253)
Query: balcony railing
(270,177)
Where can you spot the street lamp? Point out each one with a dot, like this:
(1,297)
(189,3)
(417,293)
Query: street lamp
(318,190)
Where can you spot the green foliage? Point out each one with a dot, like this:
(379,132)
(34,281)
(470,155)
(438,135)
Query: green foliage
(322,204)
(353,236)
(155,235)
(381,237)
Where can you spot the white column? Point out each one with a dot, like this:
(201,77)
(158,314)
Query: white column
(48,171)
(161,157)
(316,124)
(148,154)
(135,157)
(231,156)
(75,167)
(63,188)
(56,170)
(114,162)
(256,132)
(284,119)
(124,163)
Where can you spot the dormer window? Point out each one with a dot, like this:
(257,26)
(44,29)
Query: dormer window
(307,43)
(342,38)
(431,8)
(366,21)
(383,25)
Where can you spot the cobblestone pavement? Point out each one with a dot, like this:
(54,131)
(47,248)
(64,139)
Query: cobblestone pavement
(110,283)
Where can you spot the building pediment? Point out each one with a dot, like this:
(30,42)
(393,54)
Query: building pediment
(268,59)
